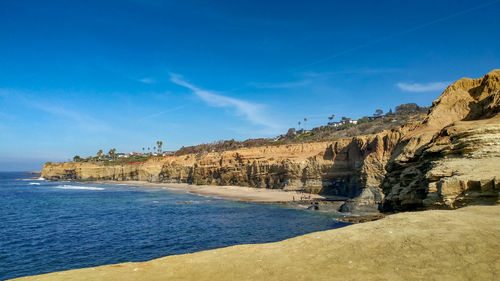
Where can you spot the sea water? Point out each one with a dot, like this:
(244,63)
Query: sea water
(48,226)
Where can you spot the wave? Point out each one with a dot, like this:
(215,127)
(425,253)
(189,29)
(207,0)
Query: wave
(32,179)
(34,183)
(65,186)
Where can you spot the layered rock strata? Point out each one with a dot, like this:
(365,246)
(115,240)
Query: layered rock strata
(450,159)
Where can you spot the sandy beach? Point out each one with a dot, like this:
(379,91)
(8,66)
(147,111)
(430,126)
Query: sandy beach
(461,244)
(237,193)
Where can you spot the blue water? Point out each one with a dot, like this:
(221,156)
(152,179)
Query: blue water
(50,226)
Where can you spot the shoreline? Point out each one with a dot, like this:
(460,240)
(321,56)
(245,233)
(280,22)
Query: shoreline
(237,193)
(404,246)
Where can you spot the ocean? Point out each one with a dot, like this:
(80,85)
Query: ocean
(50,226)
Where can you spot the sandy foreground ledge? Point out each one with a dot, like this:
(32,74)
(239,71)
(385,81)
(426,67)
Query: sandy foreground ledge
(238,193)
(462,244)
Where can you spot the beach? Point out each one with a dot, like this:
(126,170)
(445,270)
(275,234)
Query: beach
(461,244)
(238,193)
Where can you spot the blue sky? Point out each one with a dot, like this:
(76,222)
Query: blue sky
(79,76)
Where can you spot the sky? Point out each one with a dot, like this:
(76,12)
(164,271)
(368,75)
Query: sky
(79,76)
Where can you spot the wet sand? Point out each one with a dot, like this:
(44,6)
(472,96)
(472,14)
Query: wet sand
(453,245)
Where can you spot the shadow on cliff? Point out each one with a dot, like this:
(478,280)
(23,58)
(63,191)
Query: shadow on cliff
(343,178)
(479,193)
(486,108)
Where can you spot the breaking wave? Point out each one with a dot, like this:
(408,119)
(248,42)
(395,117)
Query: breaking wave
(65,186)
(32,179)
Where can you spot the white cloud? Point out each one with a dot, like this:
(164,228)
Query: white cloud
(253,112)
(426,87)
(147,80)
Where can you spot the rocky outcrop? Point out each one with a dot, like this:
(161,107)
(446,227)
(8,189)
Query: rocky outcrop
(449,159)
(452,158)
(459,166)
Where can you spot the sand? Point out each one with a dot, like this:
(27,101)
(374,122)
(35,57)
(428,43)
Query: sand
(454,245)
(237,193)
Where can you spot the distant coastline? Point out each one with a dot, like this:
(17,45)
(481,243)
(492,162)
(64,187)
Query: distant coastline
(403,169)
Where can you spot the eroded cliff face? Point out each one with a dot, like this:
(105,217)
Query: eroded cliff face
(448,160)
(340,168)
(452,158)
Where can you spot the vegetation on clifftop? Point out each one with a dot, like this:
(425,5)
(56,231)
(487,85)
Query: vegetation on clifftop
(367,125)
(333,130)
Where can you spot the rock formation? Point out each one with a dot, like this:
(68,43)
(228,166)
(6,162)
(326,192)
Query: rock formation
(449,159)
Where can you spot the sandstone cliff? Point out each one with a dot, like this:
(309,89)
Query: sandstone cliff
(449,159)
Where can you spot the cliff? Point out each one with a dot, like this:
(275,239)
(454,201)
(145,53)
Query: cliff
(452,158)
(445,161)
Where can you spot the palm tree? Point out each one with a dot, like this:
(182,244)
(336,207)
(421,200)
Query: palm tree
(99,154)
(305,120)
(112,153)
(299,124)
(160,144)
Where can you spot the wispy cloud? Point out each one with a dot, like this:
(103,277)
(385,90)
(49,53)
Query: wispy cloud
(82,120)
(160,113)
(280,85)
(253,112)
(55,107)
(312,78)
(351,71)
(147,80)
(395,35)
(425,87)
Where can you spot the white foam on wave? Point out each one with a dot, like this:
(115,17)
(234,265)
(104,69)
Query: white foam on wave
(34,183)
(177,189)
(32,179)
(65,186)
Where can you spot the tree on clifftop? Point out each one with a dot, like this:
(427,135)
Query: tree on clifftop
(112,153)
(159,144)
(378,113)
(99,154)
